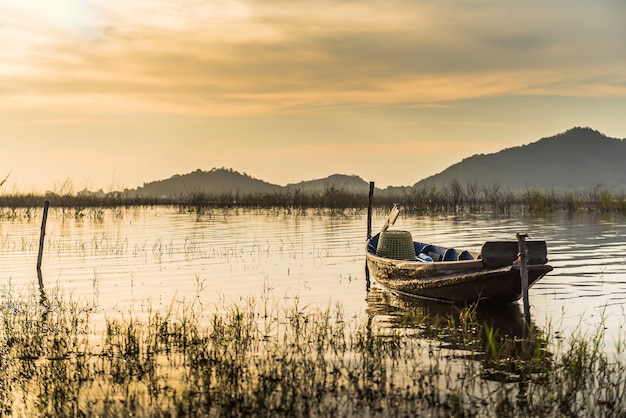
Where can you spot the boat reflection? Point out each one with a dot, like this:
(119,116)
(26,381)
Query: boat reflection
(496,336)
(397,311)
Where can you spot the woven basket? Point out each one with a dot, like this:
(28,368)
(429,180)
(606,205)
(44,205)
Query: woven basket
(397,245)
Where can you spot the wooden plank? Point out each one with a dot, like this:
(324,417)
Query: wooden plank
(504,253)
(393,215)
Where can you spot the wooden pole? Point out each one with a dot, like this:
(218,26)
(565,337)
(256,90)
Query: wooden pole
(523,256)
(43,300)
(370,203)
(46,205)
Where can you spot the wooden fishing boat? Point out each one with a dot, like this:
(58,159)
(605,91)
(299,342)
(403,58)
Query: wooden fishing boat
(450,275)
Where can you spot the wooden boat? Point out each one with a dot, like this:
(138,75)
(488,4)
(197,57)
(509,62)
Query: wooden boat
(449,275)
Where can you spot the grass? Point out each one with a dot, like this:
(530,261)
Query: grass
(261,358)
(453,198)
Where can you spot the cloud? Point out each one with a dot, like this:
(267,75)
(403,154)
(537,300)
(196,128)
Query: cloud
(260,57)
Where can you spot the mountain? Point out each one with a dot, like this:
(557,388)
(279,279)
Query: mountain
(577,160)
(353,184)
(216,181)
(580,159)
(228,181)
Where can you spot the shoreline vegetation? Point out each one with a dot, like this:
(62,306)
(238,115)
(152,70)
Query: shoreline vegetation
(63,357)
(454,198)
(261,358)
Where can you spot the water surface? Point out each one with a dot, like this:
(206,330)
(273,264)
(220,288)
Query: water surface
(127,261)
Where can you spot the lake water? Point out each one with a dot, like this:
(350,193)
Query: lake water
(128,261)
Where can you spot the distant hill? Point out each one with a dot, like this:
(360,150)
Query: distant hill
(227,181)
(579,159)
(216,181)
(353,184)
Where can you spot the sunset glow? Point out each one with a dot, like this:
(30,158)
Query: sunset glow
(113,94)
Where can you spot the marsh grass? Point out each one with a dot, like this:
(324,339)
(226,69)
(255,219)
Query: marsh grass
(264,358)
(455,197)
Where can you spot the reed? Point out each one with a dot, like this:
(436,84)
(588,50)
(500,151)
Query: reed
(267,358)
(456,197)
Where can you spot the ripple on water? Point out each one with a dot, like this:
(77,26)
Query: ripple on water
(135,257)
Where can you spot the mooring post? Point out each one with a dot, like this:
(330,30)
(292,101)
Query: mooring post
(46,205)
(43,300)
(523,257)
(370,203)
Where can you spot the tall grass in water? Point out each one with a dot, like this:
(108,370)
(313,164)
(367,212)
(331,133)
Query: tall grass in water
(455,197)
(264,359)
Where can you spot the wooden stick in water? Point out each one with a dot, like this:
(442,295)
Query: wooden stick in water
(523,256)
(43,234)
(370,201)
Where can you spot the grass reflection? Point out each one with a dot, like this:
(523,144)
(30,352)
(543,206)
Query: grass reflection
(266,358)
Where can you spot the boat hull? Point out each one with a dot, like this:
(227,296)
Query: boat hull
(458,282)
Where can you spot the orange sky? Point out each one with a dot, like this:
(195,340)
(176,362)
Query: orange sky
(110,94)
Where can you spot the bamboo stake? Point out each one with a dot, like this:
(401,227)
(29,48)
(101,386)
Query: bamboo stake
(43,300)
(523,257)
(46,205)
(370,203)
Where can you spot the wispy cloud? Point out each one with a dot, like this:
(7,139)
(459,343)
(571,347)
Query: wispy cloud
(259,57)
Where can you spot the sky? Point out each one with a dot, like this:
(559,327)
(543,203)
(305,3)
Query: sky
(109,94)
